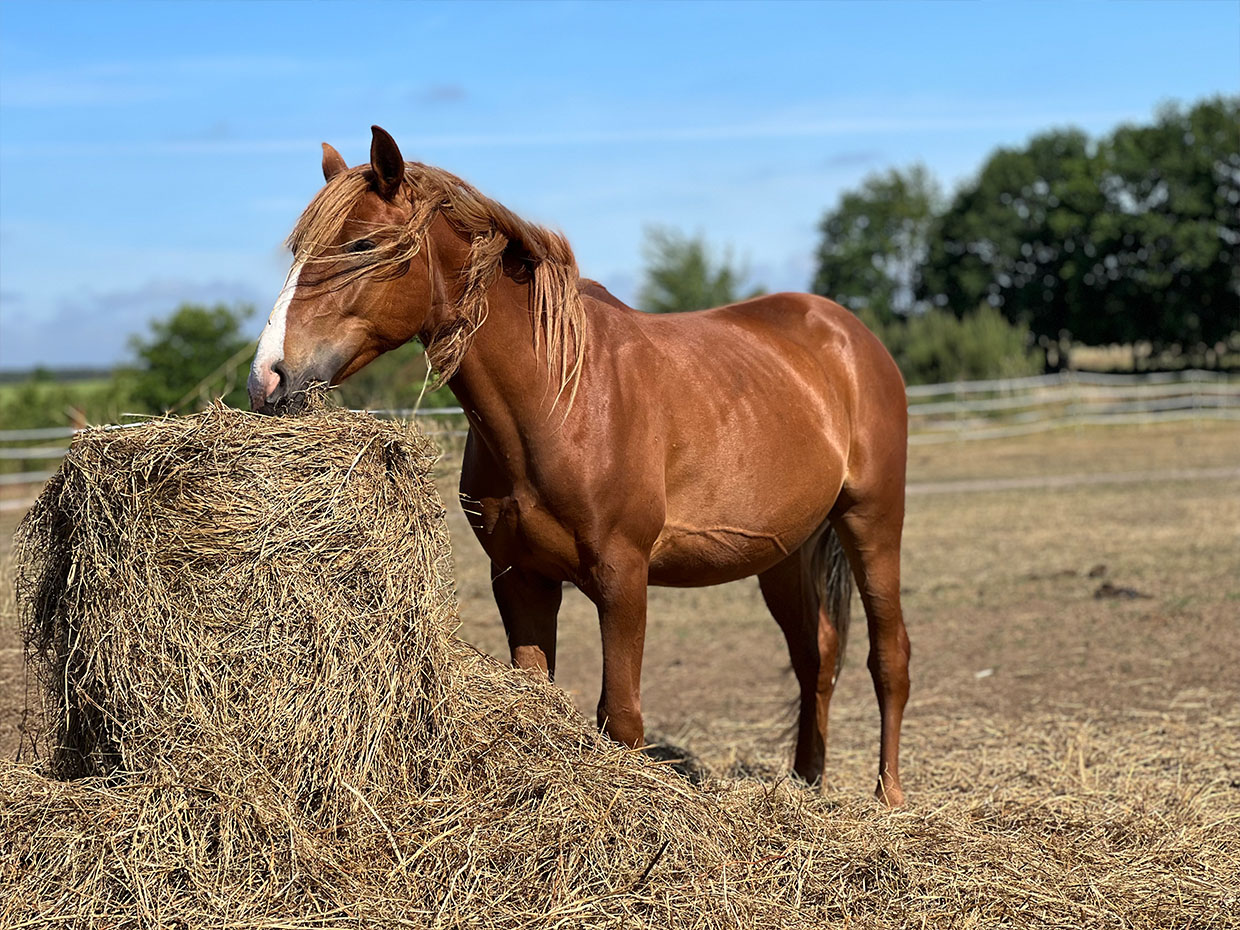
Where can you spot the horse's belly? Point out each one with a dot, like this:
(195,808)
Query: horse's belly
(698,554)
(747,504)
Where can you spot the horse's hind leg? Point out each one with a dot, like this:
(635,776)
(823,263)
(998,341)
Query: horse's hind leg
(870,529)
(792,594)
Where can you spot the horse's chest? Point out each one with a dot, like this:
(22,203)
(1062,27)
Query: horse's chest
(515,529)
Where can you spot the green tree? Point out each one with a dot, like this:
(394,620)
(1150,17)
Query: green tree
(681,274)
(875,241)
(1020,235)
(1168,240)
(195,354)
(1131,239)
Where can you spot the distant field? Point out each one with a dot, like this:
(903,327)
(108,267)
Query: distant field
(24,405)
(86,387)
(1121,358)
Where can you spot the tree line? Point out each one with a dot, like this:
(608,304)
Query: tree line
(1130,237)
(1134,237)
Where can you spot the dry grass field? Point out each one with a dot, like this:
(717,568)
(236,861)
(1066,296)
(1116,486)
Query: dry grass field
(1074,649)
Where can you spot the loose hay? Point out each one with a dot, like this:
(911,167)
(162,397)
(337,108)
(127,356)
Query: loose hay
(258,717)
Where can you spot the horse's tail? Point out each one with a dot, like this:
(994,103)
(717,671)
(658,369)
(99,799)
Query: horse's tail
(837,589)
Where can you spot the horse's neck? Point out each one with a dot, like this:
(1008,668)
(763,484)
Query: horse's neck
(503,384)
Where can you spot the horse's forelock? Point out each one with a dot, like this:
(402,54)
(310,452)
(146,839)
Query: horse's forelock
(320,223)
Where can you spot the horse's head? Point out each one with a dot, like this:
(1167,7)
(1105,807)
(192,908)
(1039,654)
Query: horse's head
(388,251)
(350,295)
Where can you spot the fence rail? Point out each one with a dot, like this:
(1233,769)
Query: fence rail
(950,412)
(991,409)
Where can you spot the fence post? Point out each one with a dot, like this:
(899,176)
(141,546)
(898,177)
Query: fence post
(958,397)
(1075,402)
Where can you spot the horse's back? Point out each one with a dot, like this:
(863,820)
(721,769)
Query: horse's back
(785,348)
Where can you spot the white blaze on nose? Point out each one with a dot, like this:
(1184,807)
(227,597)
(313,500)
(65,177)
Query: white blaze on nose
(271,344)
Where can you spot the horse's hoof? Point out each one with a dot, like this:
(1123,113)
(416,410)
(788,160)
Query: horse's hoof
(891,795)
(811,777)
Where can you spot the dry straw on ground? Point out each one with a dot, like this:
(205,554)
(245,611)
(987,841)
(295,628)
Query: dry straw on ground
(258,718)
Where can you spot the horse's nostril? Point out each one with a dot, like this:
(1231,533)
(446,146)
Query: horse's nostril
(281,389)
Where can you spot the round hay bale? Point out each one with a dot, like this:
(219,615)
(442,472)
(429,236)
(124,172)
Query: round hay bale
(256,713)
(234,601)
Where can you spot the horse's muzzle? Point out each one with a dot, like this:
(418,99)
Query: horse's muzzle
(265,399)
(290,396)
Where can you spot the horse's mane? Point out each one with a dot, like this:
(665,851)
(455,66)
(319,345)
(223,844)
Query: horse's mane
(492,231)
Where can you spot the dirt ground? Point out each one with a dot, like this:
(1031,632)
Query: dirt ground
(1024,671)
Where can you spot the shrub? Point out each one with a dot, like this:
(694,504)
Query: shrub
(938,346)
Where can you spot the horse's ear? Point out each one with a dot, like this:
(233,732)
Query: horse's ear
(386,162)
(333,164)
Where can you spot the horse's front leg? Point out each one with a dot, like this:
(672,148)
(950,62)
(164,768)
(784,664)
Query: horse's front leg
(617,585)
(529,605)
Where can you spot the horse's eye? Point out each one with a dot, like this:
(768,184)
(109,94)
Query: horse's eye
(360,245)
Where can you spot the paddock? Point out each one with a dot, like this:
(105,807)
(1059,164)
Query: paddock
(1073,601)
(1018,667)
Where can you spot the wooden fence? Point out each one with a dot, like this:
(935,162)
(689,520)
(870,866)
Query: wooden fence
(991,409)
(953,412)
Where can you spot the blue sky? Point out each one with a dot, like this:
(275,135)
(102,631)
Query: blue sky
(152,153)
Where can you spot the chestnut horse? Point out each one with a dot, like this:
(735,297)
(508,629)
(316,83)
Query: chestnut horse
(616,449)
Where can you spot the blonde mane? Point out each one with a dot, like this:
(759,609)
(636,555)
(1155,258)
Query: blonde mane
(491,229)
